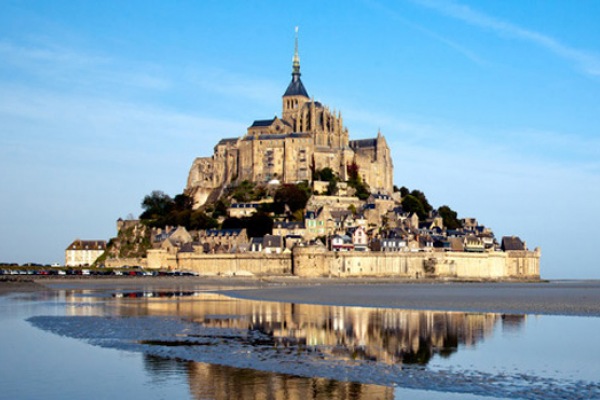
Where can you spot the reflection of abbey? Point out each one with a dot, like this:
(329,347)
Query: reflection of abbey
(307,137)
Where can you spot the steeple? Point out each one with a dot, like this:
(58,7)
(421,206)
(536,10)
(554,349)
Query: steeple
(296,88)
(296,59)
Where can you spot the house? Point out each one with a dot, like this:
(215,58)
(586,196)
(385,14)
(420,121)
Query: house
(180,236)
(341,243)
(241,210)
(256,245)
(316,222)
(84,252)
(474,244)
(272,244)
(285,229)
(360,239)
(393,244)
(342,220)
(223,240)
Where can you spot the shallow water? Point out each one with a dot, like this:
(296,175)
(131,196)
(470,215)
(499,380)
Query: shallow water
(203,345)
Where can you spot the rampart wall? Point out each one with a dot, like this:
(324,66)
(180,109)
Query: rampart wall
(129,262)
(315,261)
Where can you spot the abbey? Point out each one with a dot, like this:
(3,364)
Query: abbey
(307,137)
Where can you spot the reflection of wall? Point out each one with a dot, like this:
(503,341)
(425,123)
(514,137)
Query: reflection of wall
(217,382)
(386,335)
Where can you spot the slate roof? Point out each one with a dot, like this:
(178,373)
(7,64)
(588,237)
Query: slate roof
(340,214)
(262,122)
(512,243)
(363,143)
(272,241)
(87,245)
(288,225)
(223,232)
(296,88)
(227,141)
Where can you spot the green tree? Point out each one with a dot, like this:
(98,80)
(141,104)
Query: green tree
(332,188)
(326,174)
(450,217)
(412,204)
(421,196)
(220,208)
(404,191)
(244,192)
(355,181)
(201,220)
(155,205)
(233,223)
(259,225)
(294,196)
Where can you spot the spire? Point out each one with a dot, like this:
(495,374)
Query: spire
(296,88)
(296,59)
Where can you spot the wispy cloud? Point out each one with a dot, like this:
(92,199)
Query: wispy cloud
(469,54)
(231,84)
(54,63)
(587,61)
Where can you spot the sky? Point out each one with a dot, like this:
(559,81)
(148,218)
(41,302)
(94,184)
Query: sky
(490,107)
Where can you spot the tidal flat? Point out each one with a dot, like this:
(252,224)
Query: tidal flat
(282,338)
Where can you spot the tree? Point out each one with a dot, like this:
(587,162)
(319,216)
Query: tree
(355,181)
(259,225)
(404,191)
(326,174)
(294,196)
(352,170)
(157,204)
(244,192)
(332,188)
(421,196)
(220,209)
(412,204)
(450,217)
(233,223)
(352,208)
(201,220)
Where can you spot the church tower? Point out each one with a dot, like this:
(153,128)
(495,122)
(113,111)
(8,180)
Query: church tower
(295,96)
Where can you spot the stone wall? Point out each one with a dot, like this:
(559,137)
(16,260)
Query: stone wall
(126,262)
(316,261)
(222,264)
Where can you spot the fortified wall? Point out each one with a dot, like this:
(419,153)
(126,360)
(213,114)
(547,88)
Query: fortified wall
(315,261)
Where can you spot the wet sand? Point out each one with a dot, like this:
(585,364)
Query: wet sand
(577,298)
(19,285)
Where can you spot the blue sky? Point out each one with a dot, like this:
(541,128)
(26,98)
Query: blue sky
(491,107)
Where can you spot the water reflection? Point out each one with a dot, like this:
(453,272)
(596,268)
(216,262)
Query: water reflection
(389,336)
(216,382)
(264,350)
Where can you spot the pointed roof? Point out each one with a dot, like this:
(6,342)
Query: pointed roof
(296,88)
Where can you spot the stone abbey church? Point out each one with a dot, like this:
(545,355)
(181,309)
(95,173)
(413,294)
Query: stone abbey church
(307,137)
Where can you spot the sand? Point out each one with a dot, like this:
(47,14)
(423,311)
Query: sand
(577,298)
(19,285)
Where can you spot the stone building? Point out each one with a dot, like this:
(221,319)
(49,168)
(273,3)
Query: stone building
(82,253)
(308,136)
